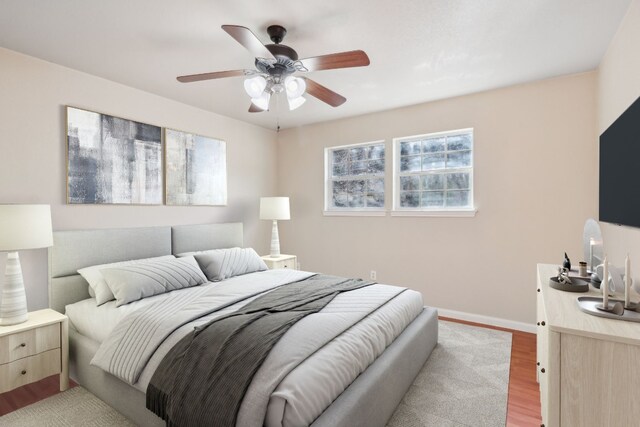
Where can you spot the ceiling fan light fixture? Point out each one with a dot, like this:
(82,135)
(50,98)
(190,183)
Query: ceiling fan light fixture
(255,86)
(295,87)
(262,101)
(296,102)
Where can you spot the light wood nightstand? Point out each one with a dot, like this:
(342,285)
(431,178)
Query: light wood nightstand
(34,350)
(281,261)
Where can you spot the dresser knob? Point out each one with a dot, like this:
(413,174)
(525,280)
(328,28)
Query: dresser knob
(24,371)
(538,289)
(542,323)
(23,345)
(542,370)
(538,363)
(538,323)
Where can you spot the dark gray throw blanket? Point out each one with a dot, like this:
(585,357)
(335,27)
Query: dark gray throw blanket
(203,378)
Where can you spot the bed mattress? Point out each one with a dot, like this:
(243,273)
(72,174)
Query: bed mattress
(311,386)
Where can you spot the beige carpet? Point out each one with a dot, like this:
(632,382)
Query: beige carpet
(464,383)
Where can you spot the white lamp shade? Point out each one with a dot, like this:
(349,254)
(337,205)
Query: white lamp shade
(295,102)
(274,208)
(255,86)
(262,102)
(295,86)
(25,227)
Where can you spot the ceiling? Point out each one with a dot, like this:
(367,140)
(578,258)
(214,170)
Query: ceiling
(420,50)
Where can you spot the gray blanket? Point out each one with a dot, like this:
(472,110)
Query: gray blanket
(203,379)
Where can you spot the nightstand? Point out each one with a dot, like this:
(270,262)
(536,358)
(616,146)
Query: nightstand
(34,350)
(281,261)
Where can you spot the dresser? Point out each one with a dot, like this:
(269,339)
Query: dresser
(34,350)
(588,366)
(281,261)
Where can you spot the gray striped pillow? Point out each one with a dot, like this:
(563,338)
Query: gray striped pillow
(134,282)
(220,264)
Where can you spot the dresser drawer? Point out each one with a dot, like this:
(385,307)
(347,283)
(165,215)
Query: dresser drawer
(289,263)
(27,343)
(29,369)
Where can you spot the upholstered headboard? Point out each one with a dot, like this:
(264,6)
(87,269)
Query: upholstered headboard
(73,250)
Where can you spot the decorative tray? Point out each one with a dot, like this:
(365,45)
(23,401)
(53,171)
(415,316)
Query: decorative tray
(588,305)
(576,285)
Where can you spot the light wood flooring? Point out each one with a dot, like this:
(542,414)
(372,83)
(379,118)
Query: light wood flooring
(523,408)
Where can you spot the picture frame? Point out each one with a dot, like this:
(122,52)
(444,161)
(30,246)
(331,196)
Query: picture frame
(195,169)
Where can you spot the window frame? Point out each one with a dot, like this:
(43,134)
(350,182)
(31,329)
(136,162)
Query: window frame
(330,210)
(398,210)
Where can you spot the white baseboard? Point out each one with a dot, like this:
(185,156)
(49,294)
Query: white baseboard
(487,320)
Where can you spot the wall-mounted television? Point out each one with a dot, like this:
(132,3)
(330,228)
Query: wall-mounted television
(620,169)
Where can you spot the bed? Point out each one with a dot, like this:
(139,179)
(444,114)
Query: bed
(369,400)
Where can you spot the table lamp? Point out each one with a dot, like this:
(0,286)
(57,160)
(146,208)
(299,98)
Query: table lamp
(274,208)
(21,227)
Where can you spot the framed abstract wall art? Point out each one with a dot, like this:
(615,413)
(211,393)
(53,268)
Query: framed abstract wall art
(111,160)
(196,169)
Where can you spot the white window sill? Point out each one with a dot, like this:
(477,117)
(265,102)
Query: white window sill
(354,213)
(437,213)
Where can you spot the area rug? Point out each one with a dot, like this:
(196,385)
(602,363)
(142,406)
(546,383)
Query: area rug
(464,383)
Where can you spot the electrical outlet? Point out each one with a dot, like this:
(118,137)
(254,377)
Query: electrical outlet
(373,275)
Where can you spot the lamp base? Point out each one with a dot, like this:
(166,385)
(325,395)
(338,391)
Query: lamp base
(13,300)
(275,240)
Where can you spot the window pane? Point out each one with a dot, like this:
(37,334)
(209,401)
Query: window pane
(433,182)
(410,164)
(458,198)
(375,200)
(409,183)
(356,186)
(459,159)
(432,199)
(458,181)
(377,152)
(407,148)
(433,145)
(340,186)
(459,142)
(376,185)
(340,200)
(409,199)
(340,156)
(340,169)
(375,167)
(359,153)
(359,168)
(356,200)
(432,161)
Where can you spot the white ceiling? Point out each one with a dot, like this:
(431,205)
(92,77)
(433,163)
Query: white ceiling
(420,50)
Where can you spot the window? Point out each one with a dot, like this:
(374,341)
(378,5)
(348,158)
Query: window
(434,172)
(355,178)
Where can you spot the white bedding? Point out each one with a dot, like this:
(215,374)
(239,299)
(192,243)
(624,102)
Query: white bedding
(302,395)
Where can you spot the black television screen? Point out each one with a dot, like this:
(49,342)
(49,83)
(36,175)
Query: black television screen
(620,169)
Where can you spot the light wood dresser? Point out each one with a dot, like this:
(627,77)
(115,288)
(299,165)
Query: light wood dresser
(588,366)
(281,261)
(34,350)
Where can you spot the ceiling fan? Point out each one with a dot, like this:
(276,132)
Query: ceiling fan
(275,65)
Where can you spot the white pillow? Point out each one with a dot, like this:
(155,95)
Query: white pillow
(96,280)
(220,264)
(134,282)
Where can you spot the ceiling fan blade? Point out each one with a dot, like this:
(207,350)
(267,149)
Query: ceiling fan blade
(246,38)
(254,109)
(354,58)
(324,94)
(211,76)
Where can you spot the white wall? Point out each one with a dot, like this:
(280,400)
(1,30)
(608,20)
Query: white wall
(33,95)
(534,188)
(618,88)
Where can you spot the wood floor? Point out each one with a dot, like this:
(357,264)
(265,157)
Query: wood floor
(523,408)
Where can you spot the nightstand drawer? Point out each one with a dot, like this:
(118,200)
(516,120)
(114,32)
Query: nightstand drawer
(29,369)
(289,263)
(27,343)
